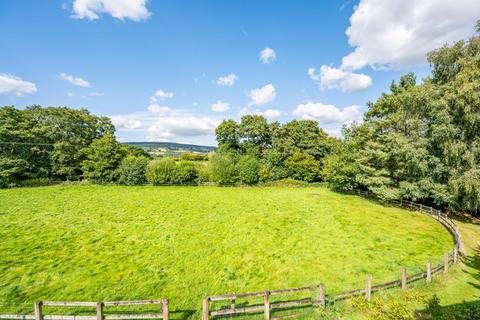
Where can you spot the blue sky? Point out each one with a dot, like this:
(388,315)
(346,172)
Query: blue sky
(154,66)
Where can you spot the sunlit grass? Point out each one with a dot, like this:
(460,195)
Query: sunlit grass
(108,242)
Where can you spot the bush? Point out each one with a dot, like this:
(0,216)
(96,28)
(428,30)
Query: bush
(132,171)
(194,157)
(162,171)
(223,170)
(203,172)
(38,182)
(248,170)
(187,173)
(303,166)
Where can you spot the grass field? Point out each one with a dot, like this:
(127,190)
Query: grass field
(94,243)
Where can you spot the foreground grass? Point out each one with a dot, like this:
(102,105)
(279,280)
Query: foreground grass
(110,243)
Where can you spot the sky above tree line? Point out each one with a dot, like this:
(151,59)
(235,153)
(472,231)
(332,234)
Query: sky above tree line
(171,70)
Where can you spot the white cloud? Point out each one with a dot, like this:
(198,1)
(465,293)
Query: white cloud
(15,85)
(262,95)
(162,123)
(126,123)
(171,128)
(135,10)
(220,106)
(79,82)
(268,55)
(228,80)
(399,33)
(332,78)
(162,95)
(327,113)
(270,114)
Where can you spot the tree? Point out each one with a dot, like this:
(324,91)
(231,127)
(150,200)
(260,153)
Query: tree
(255,135)
(132,171)
(248,169)
(223,169)
(227,135)
(303,166)
(102,160)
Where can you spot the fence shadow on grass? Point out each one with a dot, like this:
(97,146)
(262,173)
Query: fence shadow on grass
(459,311)
(473,261)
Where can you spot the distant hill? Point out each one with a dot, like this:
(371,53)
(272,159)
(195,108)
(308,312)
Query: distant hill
(173,147)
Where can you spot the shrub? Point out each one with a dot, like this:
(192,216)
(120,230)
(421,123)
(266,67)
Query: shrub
(162,171)
(132,171)
(303,166)
(194,157)
(38,182)
(187,173)
(248,170)
(203,172)
(223,170)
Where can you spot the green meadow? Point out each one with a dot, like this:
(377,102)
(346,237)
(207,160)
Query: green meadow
(92,243)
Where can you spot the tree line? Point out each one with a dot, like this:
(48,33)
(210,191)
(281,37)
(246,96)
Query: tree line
(419,141)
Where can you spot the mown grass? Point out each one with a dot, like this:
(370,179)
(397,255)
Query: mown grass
(92,243)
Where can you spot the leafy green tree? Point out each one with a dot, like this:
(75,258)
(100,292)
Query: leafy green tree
(303,166)
(227,135)
(255,135)
(248,169)
(102,160)
(132,171)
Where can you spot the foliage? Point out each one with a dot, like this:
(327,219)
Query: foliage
(132,170)
(248,170)
(102,160)
(49,142)
(162,171)
(194,156)
(187,173)
(223,170)
(420,141)
(303,166)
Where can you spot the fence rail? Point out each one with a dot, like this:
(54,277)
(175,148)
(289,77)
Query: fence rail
(99,312)
(267,307)
(317,293)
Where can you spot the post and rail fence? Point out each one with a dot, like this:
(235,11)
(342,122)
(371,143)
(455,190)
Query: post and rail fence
(317,296)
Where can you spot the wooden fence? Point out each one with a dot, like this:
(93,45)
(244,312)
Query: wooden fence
(97,313)
(268,307)
(316,293)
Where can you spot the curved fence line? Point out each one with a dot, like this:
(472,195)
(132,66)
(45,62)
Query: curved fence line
(266,301)
(319,298)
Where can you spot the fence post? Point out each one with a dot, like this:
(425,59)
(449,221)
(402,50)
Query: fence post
(38,310)
(429,271)
(206,312)
(321,293)
(165,309)
(266,305)
(404,278)
(368,288)
(99,310)
(445,263)
(455,254)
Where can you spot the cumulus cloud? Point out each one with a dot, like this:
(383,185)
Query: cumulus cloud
(10,84)
(220,106)
(77,81)
(268,55)
(270,114)
(262,95)
(332,78)
(126,123)
(400,33)
(135,10)
(327,113)
(228,80)
(162,123)
(170,128)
